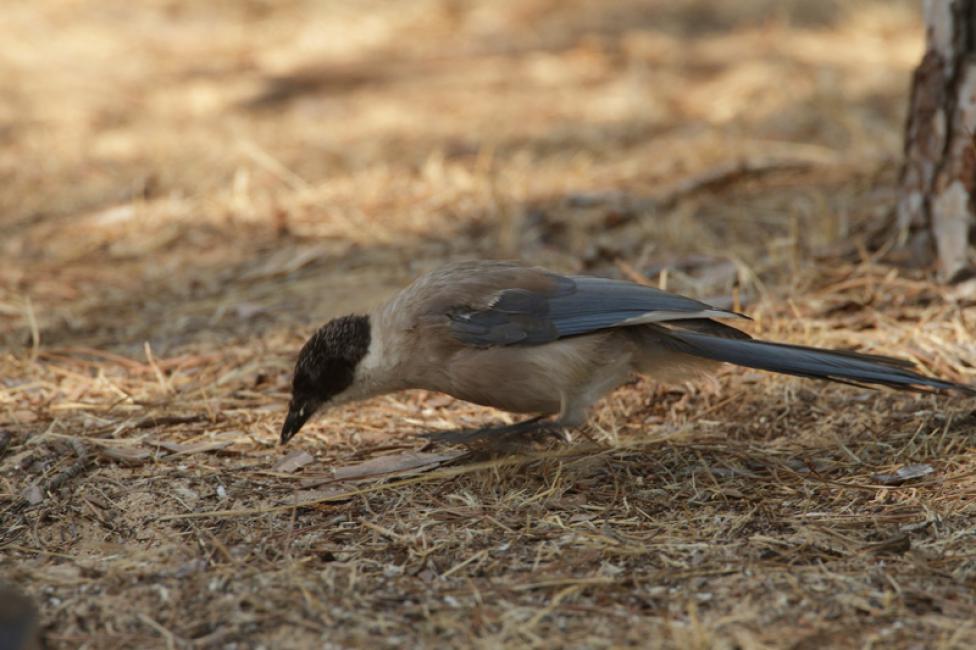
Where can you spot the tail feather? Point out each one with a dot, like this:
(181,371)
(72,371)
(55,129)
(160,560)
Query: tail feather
(707,326)
(835,365)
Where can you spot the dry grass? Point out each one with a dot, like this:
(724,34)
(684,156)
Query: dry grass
(186,189)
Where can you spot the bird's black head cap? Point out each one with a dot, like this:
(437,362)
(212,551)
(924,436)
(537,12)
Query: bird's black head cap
(326,367)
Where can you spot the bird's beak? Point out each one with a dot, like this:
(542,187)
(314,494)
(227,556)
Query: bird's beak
(294,421)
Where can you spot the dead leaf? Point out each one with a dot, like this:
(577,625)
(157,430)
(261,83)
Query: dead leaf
(33,495)
(248,310)
(389,464)
(903,474)
(294,461)
(300,497)
(134,455)
(438,400)
(180,448)
(393,463)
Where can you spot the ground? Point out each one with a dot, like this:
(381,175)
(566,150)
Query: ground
(188,189)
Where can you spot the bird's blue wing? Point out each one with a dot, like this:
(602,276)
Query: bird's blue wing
(541,312)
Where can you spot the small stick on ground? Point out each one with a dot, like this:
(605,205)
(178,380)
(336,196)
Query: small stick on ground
(725,174)
(80,465)
(83,460)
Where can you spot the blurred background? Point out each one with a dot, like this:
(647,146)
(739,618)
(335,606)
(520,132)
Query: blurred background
(172,170)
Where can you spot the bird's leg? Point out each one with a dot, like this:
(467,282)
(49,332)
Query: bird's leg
(533,429)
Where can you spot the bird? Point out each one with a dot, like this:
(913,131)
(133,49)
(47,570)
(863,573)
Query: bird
(527,340)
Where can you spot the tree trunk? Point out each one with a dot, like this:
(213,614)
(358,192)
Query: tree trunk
(937,208)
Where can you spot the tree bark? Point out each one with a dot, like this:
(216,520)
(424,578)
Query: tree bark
(937,211)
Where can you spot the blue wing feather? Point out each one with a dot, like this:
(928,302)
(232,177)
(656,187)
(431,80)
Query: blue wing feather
(569,307)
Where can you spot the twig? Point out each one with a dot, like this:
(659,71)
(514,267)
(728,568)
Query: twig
(162,420)
(81,463)
(34,331)
(631,273)
(274,166)
(170,638)
(160,377)
(73,470)
(720,175)
(726,173)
